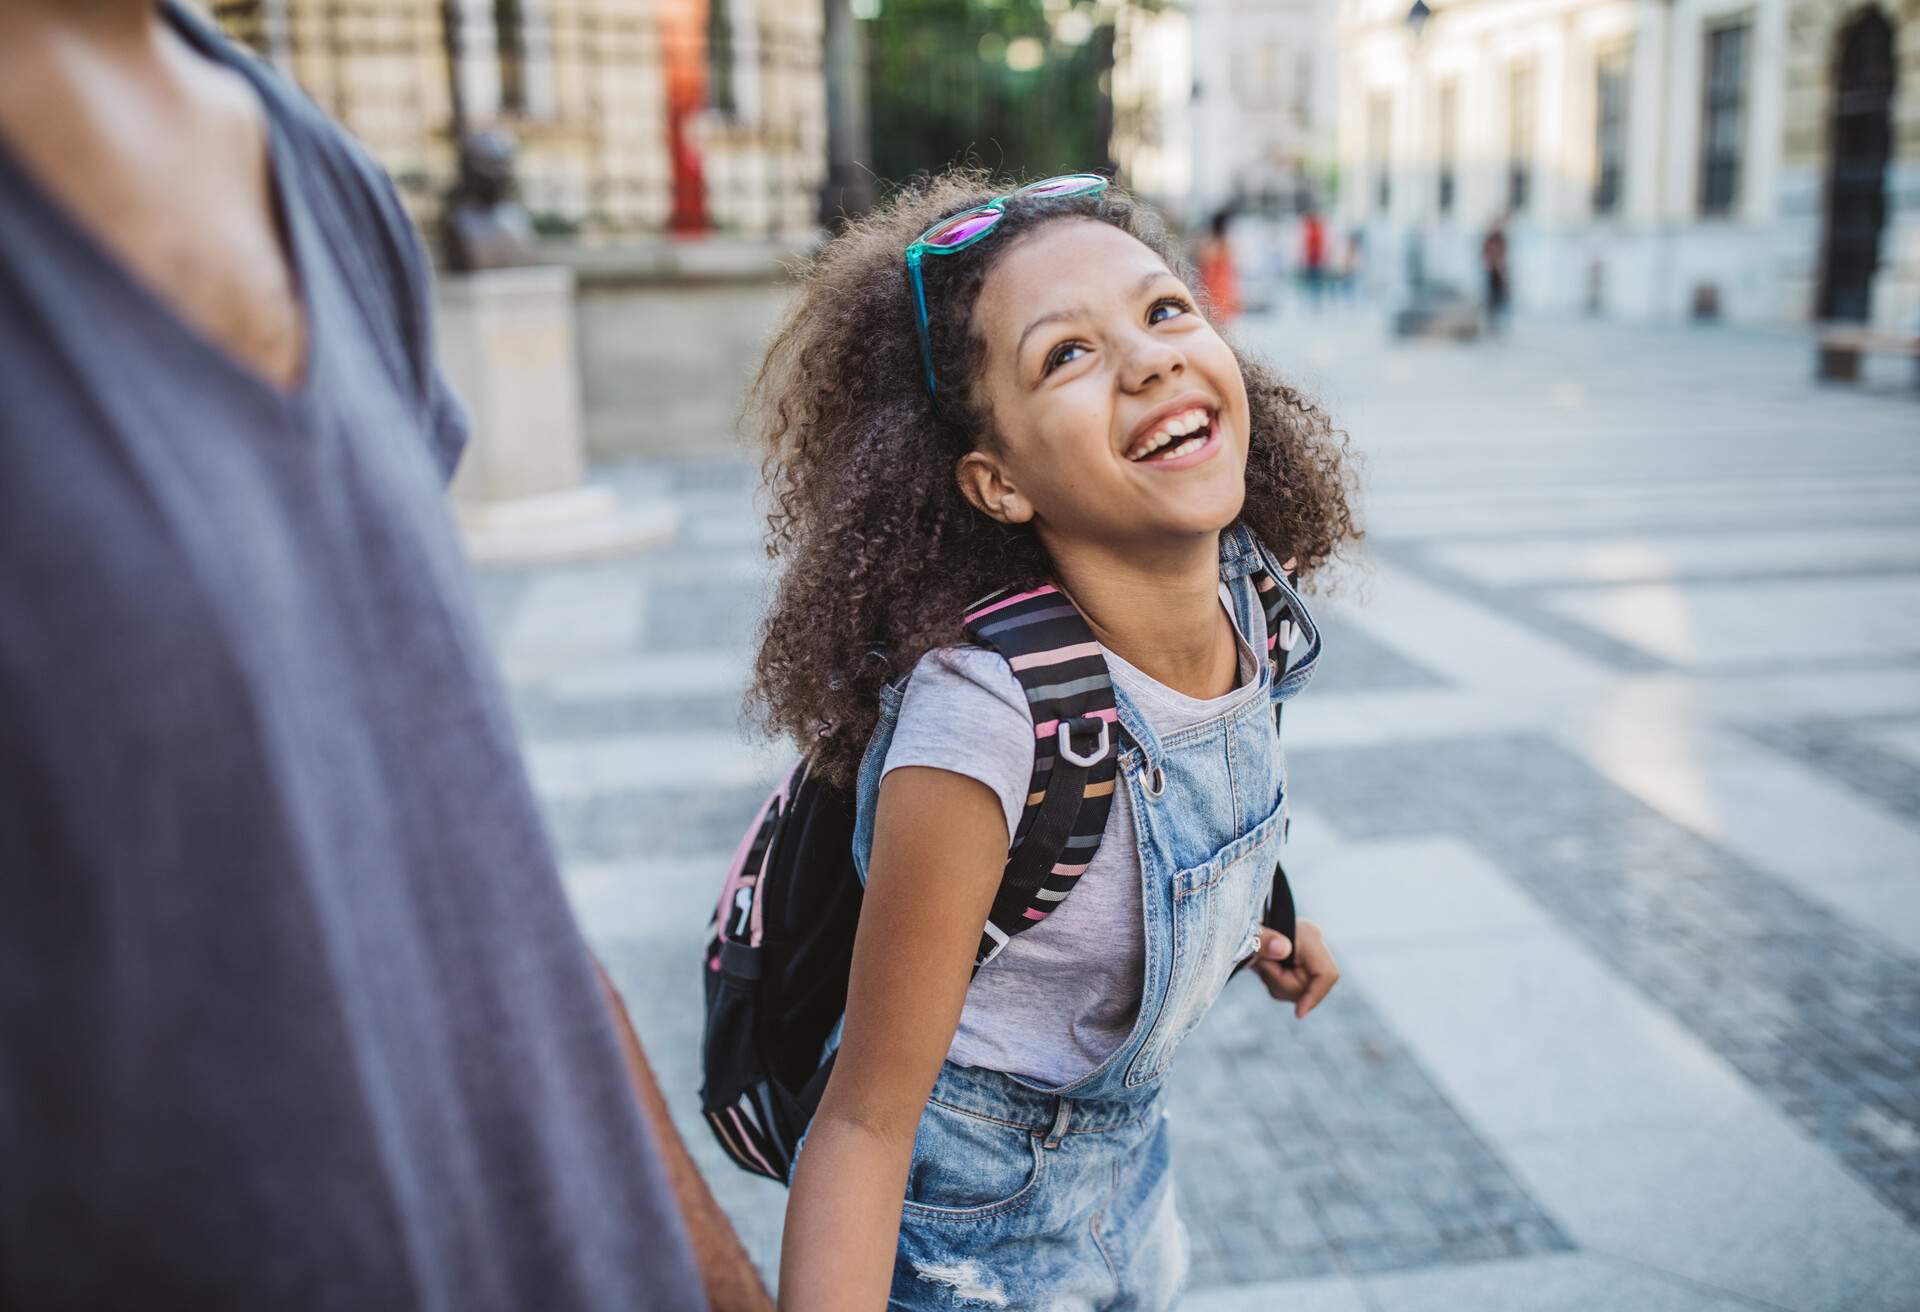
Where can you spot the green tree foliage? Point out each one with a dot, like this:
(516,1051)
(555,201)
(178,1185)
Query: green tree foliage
(1021,86)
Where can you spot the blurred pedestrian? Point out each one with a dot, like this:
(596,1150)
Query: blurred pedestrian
(1313,256)
(1354,261)
(293,1013)
(1219,273)
(1049,424)
(1493,260)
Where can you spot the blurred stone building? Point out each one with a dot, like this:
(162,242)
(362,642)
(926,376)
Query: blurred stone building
(1265,103)
(1226,104)
(632,116)
(1652,158)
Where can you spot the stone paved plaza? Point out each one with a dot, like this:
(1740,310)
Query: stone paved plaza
(1607,797)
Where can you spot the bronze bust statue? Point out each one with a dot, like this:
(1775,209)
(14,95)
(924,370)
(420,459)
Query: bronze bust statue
(484,226)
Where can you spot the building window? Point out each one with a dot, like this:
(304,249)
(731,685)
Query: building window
(720,56)
(1724,118)
(1520,107)
(1379,142)
(1449,132)
(1612,71)
(510,43)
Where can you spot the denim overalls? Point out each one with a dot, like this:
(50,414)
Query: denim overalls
(1027,1197)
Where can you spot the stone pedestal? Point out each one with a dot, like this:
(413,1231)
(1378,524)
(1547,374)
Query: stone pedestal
(507,347)
(506,344)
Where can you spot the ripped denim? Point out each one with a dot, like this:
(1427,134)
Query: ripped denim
(1022,1200)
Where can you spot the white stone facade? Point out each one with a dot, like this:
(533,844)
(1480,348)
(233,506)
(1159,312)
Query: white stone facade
(583,85)
(1671,242)
(1266,98)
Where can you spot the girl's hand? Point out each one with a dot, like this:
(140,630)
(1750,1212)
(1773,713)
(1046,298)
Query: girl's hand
(1310,978)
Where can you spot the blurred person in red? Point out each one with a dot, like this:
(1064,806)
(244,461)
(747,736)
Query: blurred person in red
(293,1012)
(1313,255)
(1219,274)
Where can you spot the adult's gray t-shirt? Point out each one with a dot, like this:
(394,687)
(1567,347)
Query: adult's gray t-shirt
(293,1013)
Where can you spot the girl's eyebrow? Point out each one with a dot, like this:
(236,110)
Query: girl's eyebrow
(1045,319)
(1056,316)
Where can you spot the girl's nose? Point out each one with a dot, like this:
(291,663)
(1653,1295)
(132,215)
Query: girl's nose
(1150,359)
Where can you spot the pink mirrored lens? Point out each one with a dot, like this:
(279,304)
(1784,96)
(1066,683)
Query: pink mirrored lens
(963,228)
(1063,187)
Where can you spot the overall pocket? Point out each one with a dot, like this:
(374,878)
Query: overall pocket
(1216,913)
(968,1167)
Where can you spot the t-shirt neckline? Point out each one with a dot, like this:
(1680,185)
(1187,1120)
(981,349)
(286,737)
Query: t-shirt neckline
(1186,709)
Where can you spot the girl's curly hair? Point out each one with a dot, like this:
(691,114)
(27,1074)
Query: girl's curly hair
(881,552)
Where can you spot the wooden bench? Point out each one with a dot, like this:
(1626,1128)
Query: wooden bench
(1842,344)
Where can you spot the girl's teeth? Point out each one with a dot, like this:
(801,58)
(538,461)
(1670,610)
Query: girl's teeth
(1174,430)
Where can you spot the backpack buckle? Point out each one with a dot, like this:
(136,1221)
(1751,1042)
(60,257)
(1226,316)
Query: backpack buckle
(1101,749)
(1000,939)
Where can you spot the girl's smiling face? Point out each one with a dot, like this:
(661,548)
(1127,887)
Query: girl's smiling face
(1121,415)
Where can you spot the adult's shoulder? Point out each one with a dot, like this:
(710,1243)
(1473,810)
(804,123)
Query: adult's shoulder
(326,152)
(361,215)
(357,212)
(368,236)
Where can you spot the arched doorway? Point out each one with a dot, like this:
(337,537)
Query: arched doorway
(1860,142)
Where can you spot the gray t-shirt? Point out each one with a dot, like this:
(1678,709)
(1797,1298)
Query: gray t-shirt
(1062,996)
(293,1013)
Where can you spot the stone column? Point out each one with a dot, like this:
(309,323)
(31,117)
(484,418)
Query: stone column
(479,71)
(536,71)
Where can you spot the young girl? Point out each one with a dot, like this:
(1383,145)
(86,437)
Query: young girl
(1032,398)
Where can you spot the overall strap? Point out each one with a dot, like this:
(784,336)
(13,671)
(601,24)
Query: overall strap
(1046,642)
(1283,628)
(1283,631)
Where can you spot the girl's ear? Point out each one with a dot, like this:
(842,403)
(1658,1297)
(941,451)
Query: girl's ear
(988,490)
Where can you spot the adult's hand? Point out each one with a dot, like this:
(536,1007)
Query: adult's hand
(732,1285)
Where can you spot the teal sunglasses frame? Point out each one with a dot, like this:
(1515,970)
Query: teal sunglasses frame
(924,245)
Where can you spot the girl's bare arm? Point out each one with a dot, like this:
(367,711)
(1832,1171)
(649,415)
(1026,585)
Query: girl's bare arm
(939,845)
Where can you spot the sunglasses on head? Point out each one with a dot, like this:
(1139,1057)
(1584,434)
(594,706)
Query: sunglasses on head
(959,231)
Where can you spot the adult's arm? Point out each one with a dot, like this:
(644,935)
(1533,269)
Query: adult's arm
(731,1283)
(940,842)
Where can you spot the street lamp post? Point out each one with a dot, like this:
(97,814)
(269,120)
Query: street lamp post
(846,192)
(1429,308)
(1417,19)
(452,37)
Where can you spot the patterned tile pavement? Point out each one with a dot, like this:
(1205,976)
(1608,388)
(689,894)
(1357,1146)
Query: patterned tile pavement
(1851,749)
(1326,1147)
(1822,1016)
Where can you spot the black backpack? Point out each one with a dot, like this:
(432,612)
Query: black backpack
(780,946)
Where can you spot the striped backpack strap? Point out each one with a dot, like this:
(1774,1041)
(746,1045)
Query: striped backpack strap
(1052,652)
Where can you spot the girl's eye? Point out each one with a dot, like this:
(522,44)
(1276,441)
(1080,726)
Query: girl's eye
(1065,353)
(1172,305)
